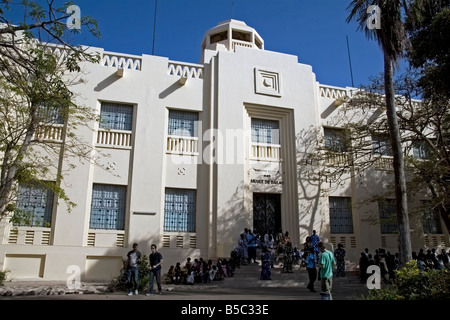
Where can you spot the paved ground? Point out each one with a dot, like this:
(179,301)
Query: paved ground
(245,285)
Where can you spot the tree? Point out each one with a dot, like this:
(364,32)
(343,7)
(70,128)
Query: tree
(37,107)
(428,27)
(392,39)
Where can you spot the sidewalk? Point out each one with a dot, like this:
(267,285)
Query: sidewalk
(245,285)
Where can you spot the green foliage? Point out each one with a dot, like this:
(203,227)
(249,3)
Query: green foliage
(3,276)
(120,282)
(411,283)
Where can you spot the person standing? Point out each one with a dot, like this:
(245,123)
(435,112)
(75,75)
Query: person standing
(155,259)
(326,263)
(312,271)
(339,254)
(134,258)
(314,241)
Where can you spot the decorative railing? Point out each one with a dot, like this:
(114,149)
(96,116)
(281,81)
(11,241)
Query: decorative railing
(50,132)
(186,70)
(332,92)
(237,43)
(334,158)
(384,163)
(128,62)
(115,138)
(266,151)
(182,145)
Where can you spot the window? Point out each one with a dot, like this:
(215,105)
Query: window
(35,204)
(217,37)
(108,207)
(335,140)
(182,123)
(179,210)
(388,216)
(421,150)
(381,145)
(341,220)
(116,116)
(265,131)
(51,114)
(430,218)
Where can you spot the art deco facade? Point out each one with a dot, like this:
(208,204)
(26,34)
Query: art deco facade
(191,154)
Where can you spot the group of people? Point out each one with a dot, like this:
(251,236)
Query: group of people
(134,258)
(318,260)
(388,262)
(199,271)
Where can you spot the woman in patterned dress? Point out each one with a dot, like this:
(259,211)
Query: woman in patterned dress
(339,255)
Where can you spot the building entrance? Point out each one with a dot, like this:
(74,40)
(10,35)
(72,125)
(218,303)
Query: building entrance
(266,212)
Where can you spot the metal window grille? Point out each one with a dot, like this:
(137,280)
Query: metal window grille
(430,219)
(341,219)
(35,204)
(381,145)
(265,131)
(388,217)
(108,207)
(179,210)
(51,114)
(182,123)
(335,140)
(116,116)
(421,150)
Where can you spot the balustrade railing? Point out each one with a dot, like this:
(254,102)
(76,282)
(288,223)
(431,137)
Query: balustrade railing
(50,132)
(182,145)
(266,151)
(117,138)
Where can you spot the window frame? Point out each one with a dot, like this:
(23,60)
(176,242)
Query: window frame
(343,212)
(121,207)
(180,219)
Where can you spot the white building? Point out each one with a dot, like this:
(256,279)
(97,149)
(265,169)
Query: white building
(197,153)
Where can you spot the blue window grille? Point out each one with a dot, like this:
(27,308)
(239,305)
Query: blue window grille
(421,150)
(381,145)
(341,219)
(179,210)
(335,140)
(35,206)
(182,123)
(108,207)
(388,216)
(265,131)
(431,220)
(51,114)
(116,116)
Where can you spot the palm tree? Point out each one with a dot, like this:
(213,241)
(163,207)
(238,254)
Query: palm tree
(391,37)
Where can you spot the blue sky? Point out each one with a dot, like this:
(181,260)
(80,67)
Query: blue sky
(313,30)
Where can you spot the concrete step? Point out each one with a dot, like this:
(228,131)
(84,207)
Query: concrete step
(249,276)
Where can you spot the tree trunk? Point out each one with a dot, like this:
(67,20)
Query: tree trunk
(404,237)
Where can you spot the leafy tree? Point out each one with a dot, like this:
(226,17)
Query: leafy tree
(38,109)
(392,39)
